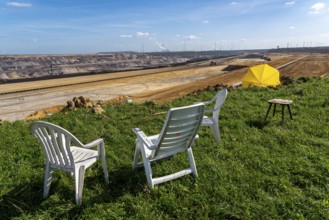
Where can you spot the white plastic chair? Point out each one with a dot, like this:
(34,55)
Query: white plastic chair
(212,122)
(177,135)
(64,151)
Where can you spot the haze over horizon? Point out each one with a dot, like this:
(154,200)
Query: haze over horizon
(73,27)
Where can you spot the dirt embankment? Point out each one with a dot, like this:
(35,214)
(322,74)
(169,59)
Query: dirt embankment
(165,85)
(312,65)
(309,65)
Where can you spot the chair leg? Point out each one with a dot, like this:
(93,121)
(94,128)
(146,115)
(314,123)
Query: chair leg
(274,109)
(79,179)
(289,111)
(215,131)
(106,174)
(136,156)
(192,162)
(268,110)
(148,170)
(47,180)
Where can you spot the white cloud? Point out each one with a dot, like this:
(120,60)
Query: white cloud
(290,3)
(18,4)
(292,27)
(191,37)
(205,21)
(126,36)
(233,3)
(317,8)
(142,34)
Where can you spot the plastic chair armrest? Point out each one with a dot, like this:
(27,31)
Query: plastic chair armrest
(142,136)
(208,102)
(94,143)
(212,100)
(205,103)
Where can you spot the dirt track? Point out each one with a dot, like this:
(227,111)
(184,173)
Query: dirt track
(165,85)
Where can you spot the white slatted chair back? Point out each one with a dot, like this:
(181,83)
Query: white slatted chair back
(179,130)
(56,143)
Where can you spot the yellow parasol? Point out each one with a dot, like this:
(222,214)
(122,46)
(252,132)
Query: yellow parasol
(262,75)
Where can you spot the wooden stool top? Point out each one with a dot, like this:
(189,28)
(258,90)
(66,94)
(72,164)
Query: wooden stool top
(280,101)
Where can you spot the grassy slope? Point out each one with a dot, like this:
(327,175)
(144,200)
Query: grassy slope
(261,170)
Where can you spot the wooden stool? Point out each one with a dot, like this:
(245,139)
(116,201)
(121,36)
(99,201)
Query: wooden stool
(282,102)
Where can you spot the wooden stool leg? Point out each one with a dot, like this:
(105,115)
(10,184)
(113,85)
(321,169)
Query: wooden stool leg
(282,114)
(274,109)
(289,111)
(268,110)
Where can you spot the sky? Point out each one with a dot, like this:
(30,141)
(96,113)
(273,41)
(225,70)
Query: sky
(92,26)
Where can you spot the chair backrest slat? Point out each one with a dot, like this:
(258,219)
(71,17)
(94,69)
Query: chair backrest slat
(58,148)
(43,140)
(56,143)
(180,129)
(52,158)
(63,148)
(221,96)
(51,136)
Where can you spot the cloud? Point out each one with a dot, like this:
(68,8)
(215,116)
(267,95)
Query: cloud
(126,36)
(192,37)
(205,21)
(18,4)
(292,27)
(137,34)
(317,8)
(290,3)
(142,34)
(233,3)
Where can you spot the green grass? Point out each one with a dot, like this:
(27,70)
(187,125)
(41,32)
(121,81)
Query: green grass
(261,170)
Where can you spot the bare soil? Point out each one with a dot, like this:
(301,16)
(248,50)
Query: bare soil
(162,85)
